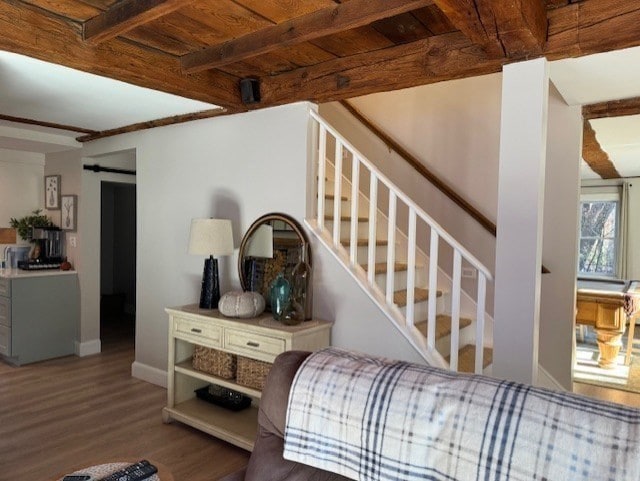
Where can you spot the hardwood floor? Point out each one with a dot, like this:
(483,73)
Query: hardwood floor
(60,415)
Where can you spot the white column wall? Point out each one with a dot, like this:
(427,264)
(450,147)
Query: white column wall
(560,239)
(523,143)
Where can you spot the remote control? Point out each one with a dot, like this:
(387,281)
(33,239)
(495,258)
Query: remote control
(135,472)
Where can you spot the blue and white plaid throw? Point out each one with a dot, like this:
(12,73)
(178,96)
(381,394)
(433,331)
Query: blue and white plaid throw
(377,419)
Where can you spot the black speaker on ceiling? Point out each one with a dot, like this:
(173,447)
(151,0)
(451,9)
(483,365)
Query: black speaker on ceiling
(250,90)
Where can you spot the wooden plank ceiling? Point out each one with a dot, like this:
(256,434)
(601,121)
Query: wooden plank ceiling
(316,50)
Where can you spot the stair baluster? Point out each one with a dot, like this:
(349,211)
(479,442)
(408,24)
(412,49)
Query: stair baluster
(423,339)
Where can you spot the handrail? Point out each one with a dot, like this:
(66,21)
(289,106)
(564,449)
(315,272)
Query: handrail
(419,166)
(411,294)
(407,200)
(413,161)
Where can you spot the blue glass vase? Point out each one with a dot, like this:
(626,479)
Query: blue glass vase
(280,297)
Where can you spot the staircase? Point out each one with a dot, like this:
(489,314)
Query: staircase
(399,255)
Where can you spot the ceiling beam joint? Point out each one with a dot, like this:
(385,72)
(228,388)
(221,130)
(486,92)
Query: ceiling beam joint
(125,16)
(321,23)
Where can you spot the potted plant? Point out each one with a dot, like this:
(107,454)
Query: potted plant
(24,226)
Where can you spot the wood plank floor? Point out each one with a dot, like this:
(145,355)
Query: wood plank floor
(60,415)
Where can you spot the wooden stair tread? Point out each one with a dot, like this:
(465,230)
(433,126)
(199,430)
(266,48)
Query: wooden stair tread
(347,217)
(467,358)
(420,295)
(332,197)
(364,242)
(443,325)
(381,267)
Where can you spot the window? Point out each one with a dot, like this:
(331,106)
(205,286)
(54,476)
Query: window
(599,235)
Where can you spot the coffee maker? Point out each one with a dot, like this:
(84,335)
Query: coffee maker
(49,246)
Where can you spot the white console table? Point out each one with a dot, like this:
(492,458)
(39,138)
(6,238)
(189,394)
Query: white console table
(260,338)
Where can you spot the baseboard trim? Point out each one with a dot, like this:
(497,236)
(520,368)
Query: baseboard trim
(546,380)
(149,374)
(88,348)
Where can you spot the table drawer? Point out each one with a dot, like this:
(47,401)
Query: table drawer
(5,340)
(5,287)
(207,334)
(5,311)
(253,345)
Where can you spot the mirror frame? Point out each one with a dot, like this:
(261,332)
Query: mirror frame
(257,223)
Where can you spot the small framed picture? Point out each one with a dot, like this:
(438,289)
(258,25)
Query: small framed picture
(52,192)
(69,217)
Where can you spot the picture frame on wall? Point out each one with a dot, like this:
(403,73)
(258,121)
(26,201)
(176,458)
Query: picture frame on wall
(52,187)
(69,216)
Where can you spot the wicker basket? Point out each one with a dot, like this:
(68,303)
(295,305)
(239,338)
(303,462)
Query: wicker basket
(252,373)
(213,361)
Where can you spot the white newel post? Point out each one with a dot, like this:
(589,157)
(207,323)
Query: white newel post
(523,145)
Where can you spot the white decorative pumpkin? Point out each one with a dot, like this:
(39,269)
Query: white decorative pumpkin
(241,304)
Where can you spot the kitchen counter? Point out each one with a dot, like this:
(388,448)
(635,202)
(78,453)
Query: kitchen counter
(39,314)
(23,274)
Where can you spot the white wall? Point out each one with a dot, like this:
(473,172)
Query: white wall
(21,186)
(453,128)
(238,167)
(68,165)
(559,242)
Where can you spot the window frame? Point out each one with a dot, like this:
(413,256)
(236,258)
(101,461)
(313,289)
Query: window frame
(602,194)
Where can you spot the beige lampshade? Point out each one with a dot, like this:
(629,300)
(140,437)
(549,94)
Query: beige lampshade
(260,244)
(211,237)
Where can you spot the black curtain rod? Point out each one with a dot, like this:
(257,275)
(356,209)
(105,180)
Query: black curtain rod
(98,168)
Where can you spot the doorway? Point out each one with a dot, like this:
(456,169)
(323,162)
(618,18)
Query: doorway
(117,264)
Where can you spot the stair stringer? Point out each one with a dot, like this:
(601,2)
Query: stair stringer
(468,305)
(391,311)
(395,316)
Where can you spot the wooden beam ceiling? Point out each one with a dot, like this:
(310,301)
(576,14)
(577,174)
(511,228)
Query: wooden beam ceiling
(614,108)
(593,154)
(125,16)
(492,32)
(29,31)
(513,29)
(321,23)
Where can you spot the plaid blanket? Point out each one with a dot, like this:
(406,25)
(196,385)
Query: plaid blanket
(376,419)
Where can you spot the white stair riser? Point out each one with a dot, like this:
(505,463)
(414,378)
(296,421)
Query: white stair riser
(467,336)
(345,207)
(421,309)
(363,228)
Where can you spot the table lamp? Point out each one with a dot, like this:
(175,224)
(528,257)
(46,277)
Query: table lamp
(212,237)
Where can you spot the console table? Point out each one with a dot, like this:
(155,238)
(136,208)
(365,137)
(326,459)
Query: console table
(261,338)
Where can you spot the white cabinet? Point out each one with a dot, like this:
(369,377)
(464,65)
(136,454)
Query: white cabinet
(261,338)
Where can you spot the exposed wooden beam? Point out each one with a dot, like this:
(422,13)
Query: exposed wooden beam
(321,23)
(431,60)
(514,29)
(127,15)
(592,26)
(593,154)
(51,125)
(28,31)
(474,20)
(449,56)
(614,108)
(176,119)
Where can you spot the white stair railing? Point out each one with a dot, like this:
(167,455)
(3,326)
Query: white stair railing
(360,166)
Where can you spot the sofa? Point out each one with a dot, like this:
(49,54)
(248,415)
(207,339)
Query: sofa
(266,461)
(460,426)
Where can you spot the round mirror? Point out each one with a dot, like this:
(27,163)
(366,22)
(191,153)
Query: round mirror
(273,244)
